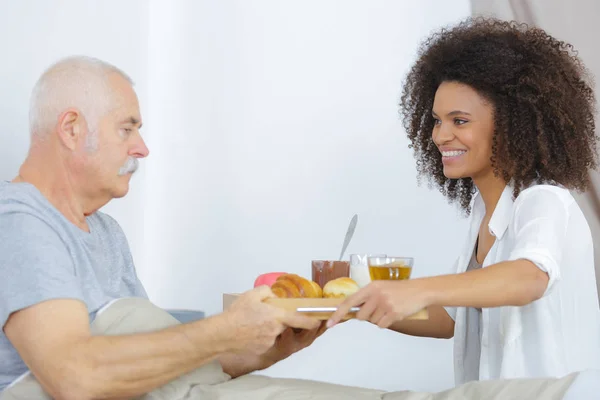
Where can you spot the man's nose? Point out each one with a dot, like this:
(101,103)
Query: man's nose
(140,150)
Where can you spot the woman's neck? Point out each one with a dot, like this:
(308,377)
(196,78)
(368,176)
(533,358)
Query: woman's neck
(490,188)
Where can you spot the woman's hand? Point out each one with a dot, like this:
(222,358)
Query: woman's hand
(384,302)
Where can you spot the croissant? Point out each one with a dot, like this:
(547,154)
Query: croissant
(294,286)
(340,287)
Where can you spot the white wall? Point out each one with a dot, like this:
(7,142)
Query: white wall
(277,123)
(269,125)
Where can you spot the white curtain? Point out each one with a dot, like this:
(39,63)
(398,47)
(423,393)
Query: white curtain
(576,22)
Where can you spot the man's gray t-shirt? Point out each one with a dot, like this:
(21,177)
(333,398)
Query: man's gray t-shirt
(43,256)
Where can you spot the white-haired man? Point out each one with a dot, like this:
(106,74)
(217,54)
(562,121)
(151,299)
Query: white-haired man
(61,260)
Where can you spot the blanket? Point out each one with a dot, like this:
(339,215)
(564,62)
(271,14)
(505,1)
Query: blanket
(210,382)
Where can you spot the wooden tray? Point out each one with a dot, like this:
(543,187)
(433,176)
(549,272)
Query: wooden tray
(321,309)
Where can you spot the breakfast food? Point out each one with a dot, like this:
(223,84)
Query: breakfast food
(267,279)
(325,271)
(340,287)
(286,285)
(295,286)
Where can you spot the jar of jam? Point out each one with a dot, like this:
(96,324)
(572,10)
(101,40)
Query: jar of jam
(324,271)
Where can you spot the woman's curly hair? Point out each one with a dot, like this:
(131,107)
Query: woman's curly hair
(541,94)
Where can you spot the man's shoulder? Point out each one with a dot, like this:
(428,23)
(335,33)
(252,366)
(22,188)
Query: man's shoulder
(16,195)
(22,206)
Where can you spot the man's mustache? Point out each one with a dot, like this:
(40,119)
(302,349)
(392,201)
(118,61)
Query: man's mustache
(130,166)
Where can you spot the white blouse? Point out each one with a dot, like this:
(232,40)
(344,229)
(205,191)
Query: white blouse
(557,334)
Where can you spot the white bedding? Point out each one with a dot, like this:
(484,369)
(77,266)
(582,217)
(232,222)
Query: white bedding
(211,383)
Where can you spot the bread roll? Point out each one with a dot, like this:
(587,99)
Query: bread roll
(295,286)
(340,287)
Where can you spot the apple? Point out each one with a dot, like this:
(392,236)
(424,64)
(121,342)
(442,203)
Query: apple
(267,279)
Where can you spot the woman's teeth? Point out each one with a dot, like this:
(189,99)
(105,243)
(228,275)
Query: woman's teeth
(453,153)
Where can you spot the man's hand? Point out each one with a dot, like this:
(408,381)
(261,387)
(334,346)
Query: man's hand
(384,302)
(257,325)
(290,342)
(265,334)
(286,344)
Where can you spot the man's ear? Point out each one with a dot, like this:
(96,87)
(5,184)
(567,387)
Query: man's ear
(71,128)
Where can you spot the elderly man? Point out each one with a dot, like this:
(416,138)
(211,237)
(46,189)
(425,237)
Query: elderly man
(61,260)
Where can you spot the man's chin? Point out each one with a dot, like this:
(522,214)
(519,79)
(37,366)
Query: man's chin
(122,188)
(120,191)
(119,194)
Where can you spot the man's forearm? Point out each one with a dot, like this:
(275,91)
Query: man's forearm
(241,364)
(128,366)
(510,283)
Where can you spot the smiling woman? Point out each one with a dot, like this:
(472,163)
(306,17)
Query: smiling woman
(463,130)
(501,119)
(530,87)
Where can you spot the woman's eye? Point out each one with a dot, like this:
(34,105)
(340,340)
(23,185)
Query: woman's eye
(459,121)
(436,121)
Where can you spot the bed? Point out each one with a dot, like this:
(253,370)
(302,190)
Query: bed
(209,382)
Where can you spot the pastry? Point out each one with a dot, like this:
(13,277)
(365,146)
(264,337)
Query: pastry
(340,287)
(295,286)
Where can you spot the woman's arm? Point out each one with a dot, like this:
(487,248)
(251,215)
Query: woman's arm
(439,325)
(388,303)
(509,283)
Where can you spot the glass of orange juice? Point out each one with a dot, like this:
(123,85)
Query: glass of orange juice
(359,268)
(390,268)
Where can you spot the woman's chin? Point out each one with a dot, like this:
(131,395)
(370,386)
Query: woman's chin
(451,173)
